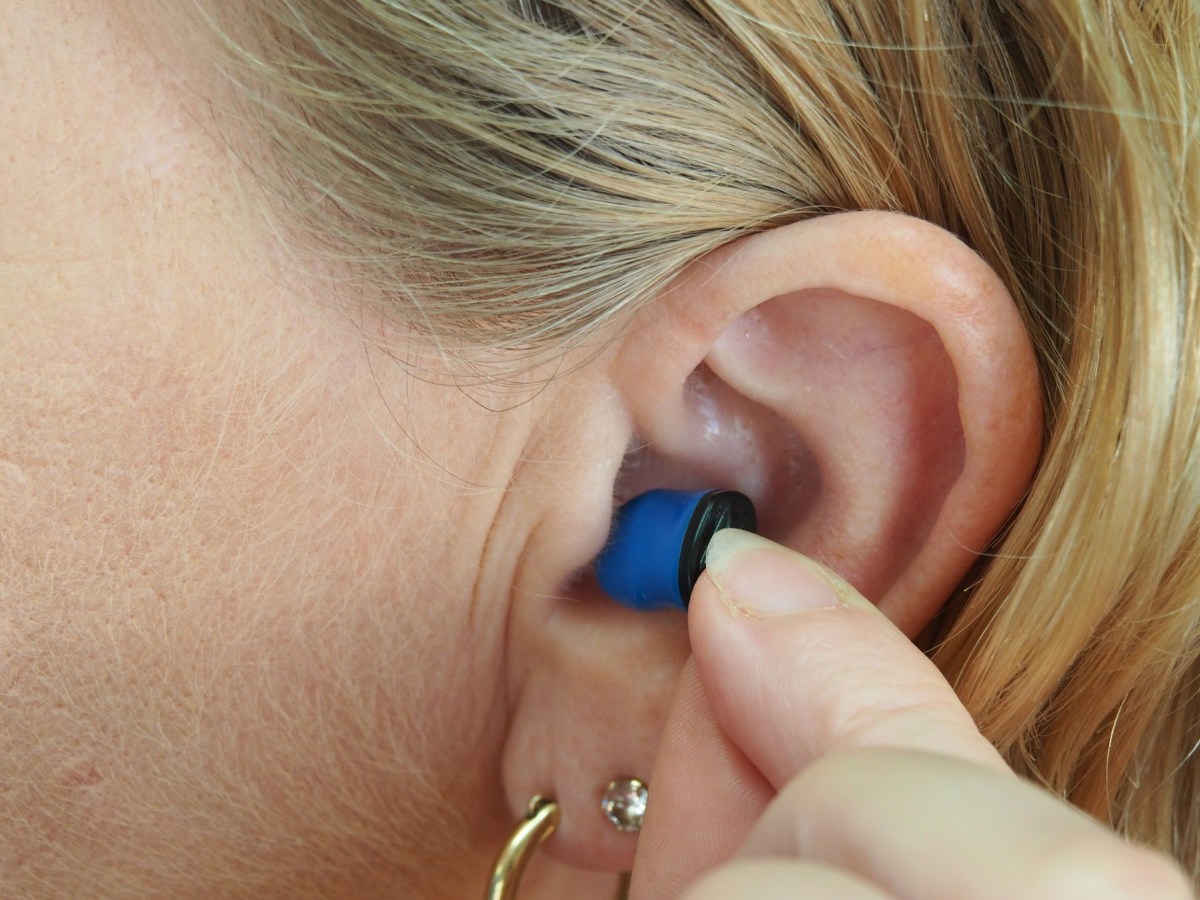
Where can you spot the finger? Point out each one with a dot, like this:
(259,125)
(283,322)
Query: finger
(939,828)
(805,677)
(796,664)
(704,798)
(780,879)
(705,793)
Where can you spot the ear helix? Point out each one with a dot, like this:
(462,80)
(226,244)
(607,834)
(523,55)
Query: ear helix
(656,551)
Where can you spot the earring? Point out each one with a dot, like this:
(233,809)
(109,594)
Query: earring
(539,823)
(623,803)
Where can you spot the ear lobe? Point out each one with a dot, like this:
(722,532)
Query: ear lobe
(866,378)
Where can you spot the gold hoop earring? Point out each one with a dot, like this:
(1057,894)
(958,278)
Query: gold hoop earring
(539,823)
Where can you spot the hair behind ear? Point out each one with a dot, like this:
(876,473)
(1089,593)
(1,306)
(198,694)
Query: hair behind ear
(1075,646)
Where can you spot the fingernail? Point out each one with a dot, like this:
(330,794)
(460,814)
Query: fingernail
(759,579)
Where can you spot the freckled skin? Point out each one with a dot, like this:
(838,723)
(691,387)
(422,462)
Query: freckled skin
(251,591)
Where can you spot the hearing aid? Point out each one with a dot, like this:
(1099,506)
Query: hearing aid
(659,539)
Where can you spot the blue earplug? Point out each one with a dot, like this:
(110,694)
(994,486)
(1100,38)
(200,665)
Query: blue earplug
(656,550)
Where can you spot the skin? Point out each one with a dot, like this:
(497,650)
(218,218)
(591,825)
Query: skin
(234,606)
(870,779)
(279,617)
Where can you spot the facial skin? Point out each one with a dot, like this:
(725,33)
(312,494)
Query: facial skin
(253,576)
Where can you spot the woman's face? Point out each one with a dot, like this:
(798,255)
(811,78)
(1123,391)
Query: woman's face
(254,576)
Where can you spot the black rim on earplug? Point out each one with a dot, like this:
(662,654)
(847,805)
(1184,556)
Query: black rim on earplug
(717,510)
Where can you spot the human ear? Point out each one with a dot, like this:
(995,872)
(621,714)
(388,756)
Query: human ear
(867,380)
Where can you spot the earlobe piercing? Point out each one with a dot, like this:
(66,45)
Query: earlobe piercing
(656,550)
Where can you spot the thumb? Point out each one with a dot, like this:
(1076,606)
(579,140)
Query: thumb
(796,664)
(877,773)
(789,664)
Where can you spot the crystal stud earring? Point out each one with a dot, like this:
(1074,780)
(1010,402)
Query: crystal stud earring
(624,803)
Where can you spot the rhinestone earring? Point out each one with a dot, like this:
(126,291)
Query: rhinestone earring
(624,803)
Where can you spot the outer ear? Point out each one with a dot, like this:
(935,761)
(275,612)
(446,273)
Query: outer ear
(867,379)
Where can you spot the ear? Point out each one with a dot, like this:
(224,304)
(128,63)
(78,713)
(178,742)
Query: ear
(864,377)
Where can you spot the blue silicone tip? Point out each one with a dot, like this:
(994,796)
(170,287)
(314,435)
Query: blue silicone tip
(656,550)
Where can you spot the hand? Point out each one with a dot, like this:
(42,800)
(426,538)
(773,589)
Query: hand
(813,751)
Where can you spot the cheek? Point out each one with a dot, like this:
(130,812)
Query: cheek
(234,599)
(227,605)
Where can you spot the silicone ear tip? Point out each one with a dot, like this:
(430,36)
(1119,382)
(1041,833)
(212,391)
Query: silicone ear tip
(656,550)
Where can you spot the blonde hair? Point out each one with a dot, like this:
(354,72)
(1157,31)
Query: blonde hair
(521,175)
